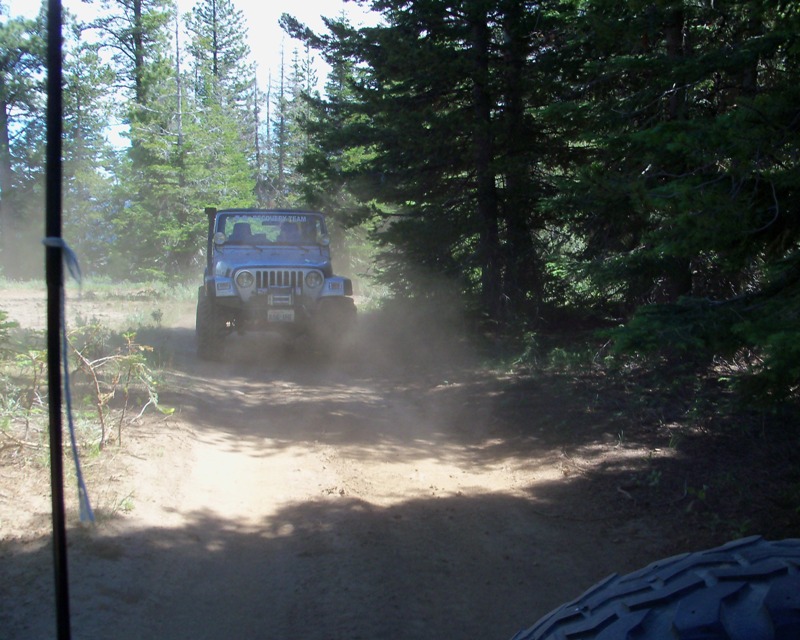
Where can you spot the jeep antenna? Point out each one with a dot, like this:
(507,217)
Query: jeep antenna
(54,274)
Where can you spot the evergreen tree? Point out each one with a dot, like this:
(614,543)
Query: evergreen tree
(225,97)
(138,35)
(22,53)
(285,131)
(136,32)
(688,202)
(219,50)
(89,160)
(440,133)
(324,167)
(221,136)
(291,127)
(189,149)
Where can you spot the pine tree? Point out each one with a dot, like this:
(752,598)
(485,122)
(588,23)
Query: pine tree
(137,33)
(687,203)
(22,50)
(89,161)
(295,111)
(221,134)
(219,50)
(440,135)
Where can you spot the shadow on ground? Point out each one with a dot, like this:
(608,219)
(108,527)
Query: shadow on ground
(333,568)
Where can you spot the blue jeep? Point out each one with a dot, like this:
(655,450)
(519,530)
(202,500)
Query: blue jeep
(270,270)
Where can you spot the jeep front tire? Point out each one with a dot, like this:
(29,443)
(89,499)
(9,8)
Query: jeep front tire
(209,328)
(334,320)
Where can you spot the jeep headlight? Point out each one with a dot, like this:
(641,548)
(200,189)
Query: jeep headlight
(245,279)
(313,279)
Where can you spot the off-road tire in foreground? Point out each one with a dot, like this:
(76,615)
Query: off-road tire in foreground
(209,328)
(745,590)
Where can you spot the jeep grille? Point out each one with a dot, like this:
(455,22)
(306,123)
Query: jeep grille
(266,278)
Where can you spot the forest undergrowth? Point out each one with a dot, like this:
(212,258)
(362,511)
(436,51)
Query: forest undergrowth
(733,467)
(113,377)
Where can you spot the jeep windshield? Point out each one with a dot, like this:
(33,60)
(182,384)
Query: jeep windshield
(261,229)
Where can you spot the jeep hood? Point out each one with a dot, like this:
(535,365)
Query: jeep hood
(268,257)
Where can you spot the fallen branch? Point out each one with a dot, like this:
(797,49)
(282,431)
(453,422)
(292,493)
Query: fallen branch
(16,442)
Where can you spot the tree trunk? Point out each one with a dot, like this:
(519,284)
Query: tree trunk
(138,52)
(678,274)
(484,175)
(215,42)
(281,137)
(522,265)
(673,34)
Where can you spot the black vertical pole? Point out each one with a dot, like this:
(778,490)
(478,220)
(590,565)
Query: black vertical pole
(54,271)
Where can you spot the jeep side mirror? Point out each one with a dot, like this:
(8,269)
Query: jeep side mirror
(219,238)
(325,240)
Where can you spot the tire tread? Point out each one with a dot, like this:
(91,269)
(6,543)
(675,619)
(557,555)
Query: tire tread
(748,589)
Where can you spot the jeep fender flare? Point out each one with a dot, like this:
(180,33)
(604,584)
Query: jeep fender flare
(336,287)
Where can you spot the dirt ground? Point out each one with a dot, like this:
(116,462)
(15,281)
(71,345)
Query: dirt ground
(401,490)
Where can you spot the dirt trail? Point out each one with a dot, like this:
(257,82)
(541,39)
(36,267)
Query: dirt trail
(375,496)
